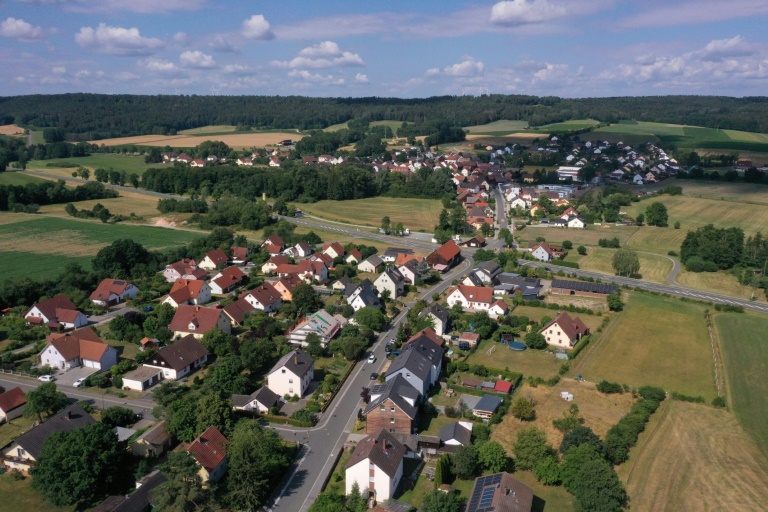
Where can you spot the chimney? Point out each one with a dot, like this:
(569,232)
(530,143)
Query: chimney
(69,414)
(296,360)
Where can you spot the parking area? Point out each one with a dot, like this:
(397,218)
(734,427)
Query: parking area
(69,377)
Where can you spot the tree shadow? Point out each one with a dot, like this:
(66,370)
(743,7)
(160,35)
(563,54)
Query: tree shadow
(538,504)
(296,484)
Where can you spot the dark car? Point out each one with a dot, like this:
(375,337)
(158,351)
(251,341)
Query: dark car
(374,376)
(548,269)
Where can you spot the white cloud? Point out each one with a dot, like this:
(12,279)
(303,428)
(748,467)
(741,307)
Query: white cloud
(197,60)
(236,69)
(20,30)
(322,55)
(361,78)
(347,24)
(466,68)
(513,13)
(257,27)
(181,37)
(160,65)
(117,40)
(222,45)
(720,49)
(58,70)
(316,78)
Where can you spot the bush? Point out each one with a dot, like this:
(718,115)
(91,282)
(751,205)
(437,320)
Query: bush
(623,436)
(652,393)
(718,401)
(303,415)
(581,250)
(688,398)
(609,387)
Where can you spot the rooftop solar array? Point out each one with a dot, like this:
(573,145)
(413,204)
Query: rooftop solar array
(482,494)
(583,286)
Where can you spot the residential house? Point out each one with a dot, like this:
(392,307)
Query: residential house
(363,295)
(139,500)
(475,241)
(197,321)
(458,433)
(292,374)
(371,264)
(322,258)
(410,271)
(390,280)
(185,292)
(498,309)
(152,443)
(392,253)
(582,288)
(184,269)
(342,284)
(334,250)
(486,406)
(56,312)
(226,280)
(22,452)
(213,260)
(142,378)
(180,358)
(445,257)
(439,316)
(544,252)
(78,348)
(210,451)
(528,288)
(487,271)
(376,466)
(419,362)
(403,258)
(468,339)
(12,404)
(285,286)
(393,407)
(239,255)
(307,270)
(321,323)
(264,297)
(500,492)
(564,331)
(260,401)
(427,334)
(300,250)
(113,291)
(471,298)
(354,257)
(576,223)
(274,241)
(270,266)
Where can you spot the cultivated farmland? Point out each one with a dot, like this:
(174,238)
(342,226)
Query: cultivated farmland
(656,341)
(578,236)
(693,457)
(566,126)
(234,140)
(415,214)
(11,130)
(127,163)
(501,127)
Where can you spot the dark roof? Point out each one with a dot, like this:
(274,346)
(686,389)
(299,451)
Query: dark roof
(438,311)
(381,449)
(65,420)
(263,395)
(397,390)
(583,286)
(12,399)
(488,403)
(413,361)
(500,492)
(180,354)
(489,267)
(297,361)
(157,435)
(392,252)
(456,431)
(475,279)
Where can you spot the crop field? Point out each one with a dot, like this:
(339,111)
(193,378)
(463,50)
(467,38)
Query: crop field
(140,204)
(11,130)
(676,355)
(394,125)
(415,214)
(745,357)
(574,124)
(17,178)
(127,163)
(652,267)
(501,127)
(42,246)
(694,457)
(588,237)
(738,192)
(209,130)
(234,140)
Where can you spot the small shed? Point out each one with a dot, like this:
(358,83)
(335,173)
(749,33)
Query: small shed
(502,386)
(568,397)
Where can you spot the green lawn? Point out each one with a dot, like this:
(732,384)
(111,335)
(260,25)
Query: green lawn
(573,124)
(19,496)
(528,362)
(745,356)
(12,430)
(632,132)
(415,214)
(18,178)
(502,126)
(657,341)
(118,162)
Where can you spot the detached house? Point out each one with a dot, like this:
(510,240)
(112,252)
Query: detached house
(184,269)
(448,255)
(500,492)
(362,295)
(213,260)
(113,291)
(439,316)
(393,407)
(409,270)
(261,401)
(197,321)
(264,297)
(270,267)
(285,286)
(180,358)
(334,250)
(58,311)
(320,323)
(376,466)
(210,452)
(471,298)
(185,292)
(292,374)
(78,348)
(419,363)
(226,280)
(543,252)
(274,244)
(239,255)
(390,280)
(12,404)
(564,331)
(371,264)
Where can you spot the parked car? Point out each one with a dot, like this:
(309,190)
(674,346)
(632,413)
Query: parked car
(79,382)
(374,376)
(371,359)
(46,378)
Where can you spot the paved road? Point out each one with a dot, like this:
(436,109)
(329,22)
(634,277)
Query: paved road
(324,441)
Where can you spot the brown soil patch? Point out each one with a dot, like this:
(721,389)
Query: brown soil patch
(236,141)
(11,129)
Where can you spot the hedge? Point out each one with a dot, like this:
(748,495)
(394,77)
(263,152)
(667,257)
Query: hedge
(623,436)
(580,345)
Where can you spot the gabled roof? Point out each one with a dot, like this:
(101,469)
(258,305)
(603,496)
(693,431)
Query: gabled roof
(488,403)
(238,309)
(391,390)
(394,274)
(373,260)
(228,277)
(336,246)
(238,253)
(382,450)
(278,259)
(12,399)
(274,240)
(405,258)
(210,449)
(181,353)
(297,362)
(109,287)
(204,319)
(428,334)
(83,343)
(456,431)
(446,252)
(263,395)
(474,293)
(584,286)
(414,361)
(490,268)
(265,294)
(186,289)
(217,256)
(572,327)
(188,267)
(50,306)
(438,311)
(65,420)
(500,492)
(393,252)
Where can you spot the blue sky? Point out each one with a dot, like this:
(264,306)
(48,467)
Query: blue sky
(568,48)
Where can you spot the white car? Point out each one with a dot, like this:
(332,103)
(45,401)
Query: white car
(79,382)
(371,359)
(46,378)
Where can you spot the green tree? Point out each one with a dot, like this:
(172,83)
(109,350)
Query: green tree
(547,471)
(573,461)
(227,379)
(597,488)
(214,411)
(438,501)
(523,408)
(218,342)
(45,399)
(486,230)
(117,416)
(355,500)
(581,250)
(614,301)
(640,219)
(326,502)
(124,259)
(182,491)
(567,244)
(443,471)
(466,462)
(493,457)
(371,317)
(305,299)
(677,225)
(386,224)
(579,436)
(83,479)
(626,263)
(530,448)
(314,345)
(656,214)
(535,340)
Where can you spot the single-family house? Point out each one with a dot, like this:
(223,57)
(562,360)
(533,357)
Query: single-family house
(576,223)
(487,271)
(274,241)
(180,358)
(354,257)
(197,321)
(371,264)
(56,312)
(393,407)
(226,280)
(468,339)
(543,252)
(270,266)
(475,241)
(410,271)
(321,323)
(498,309)
(363,295)
(564,331)
(419,362)
(426,334)
(264,297)
(113,291)
(341,284)
(308,271)
(186,292)
(500,492)
(239,255)
(152,443)
(142,378)
(78,348)
(390,280)
(285,286)
(300,250)
(184,269)
(486,406)
(392,253)
(213,260)
(471,298)
(292,374)
(210,451)
(334,250)
(458,433)
(12,404)
(376,466)
(22,452)
(445,257)
(439,316)
(261,401)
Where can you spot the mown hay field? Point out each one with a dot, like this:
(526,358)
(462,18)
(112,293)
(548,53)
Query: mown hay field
(502,126)
(234,140)
(11,130)
(652,267)
(415,214)
(118,162)
(657,341)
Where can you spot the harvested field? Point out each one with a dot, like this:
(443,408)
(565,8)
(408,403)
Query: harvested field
(578,236)
(235,140)
(652,267)
(502,126)
(693,457)
(739,192)
(415,214)
(118,162)
(719,282)
(504,139)
(140,204)
(675,355)
(12,130)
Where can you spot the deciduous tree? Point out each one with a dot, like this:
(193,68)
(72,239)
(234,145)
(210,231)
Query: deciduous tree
(45,399)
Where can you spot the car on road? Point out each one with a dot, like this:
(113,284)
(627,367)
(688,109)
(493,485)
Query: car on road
(79,382)
(46,378)
(374,376)
(371,359)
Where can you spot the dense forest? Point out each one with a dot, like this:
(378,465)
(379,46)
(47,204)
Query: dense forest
(97,116)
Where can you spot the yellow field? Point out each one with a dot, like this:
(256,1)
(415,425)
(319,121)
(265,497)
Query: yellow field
(718,282)
(652,267)
(693,457)
(236,141)
(415,214)
(579,236)
(140,204)
(11,129)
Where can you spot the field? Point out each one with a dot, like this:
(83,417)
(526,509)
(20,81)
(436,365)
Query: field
(19,495)
(17,178)
(234,140)
(739,192)
(719,282)
(578,236)
(47,244)
(745,357)
(11,130)
(209,130)
(693,457)
(127,163)
(127,203)
(574,124)
(676,355)
(394,125)
(653,268)
(415,214)
(536,363)
(501,127)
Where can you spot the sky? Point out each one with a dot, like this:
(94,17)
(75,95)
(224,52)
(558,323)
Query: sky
(566,48)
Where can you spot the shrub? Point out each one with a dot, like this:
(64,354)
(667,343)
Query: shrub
(609,387)
(718,401)
(688,398)
(652,393)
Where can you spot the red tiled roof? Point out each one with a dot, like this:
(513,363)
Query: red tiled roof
(67,315)
(204,319)
(48,307)
(274,249)
(445,253)
(12,399)
(209,449)
(108,287)
(501,304)
(265,294)
(503,386)
(83,343)
(238,253)
(229,276)
(274,240)
(403,258)
(428,333)
(217,256)
(278,259)
(572,327)
(474,293)
(186,289)
(188,267)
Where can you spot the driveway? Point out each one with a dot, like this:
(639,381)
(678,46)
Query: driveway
(69,377)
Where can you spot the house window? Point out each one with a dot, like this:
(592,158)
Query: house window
(290,381)
(283,370)
(290,390)
(392,409)
(371,478)
(407,375)
(383,408)
(391,420)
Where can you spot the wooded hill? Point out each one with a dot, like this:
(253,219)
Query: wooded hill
(99,116)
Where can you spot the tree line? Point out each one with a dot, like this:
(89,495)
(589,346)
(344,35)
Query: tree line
(27,198)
